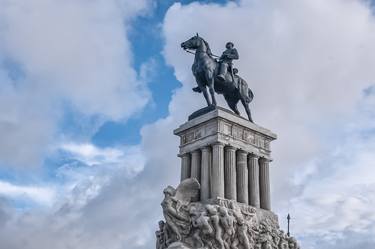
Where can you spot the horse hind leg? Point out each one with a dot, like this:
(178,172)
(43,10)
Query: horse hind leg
(247,109)
(235,109)
(232,104)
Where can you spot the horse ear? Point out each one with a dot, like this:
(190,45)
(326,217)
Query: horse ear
(197,35)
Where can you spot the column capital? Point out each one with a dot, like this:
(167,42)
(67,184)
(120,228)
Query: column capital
(206,148)
(252,155)
(195,151)
(183,154)
(218,143)
(241,151)
(264,160)
(230,147)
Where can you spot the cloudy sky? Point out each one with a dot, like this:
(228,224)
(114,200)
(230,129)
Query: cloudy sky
(90,92)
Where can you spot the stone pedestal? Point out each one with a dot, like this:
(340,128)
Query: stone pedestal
(223,200)
(223,151)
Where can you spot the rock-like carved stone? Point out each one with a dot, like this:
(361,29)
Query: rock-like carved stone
(175,209)
(227,222)
(215,221)
(161,236)
(217,224)
(202,227)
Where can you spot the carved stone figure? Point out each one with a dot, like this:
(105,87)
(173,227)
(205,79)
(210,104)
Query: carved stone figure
(179,245)
(227,222)
(174,199)
(293,243)
(215,221)
(203,228)
(206,69)
(242,235)
(161,242)
(284,243)
(224,224)
(174,219)
(265,236)
(275,240)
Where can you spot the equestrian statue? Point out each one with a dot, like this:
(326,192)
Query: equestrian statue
(218,75)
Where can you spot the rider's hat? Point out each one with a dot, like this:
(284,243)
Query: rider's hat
(229,43)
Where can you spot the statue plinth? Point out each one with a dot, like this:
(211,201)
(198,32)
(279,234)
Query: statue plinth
(222,126)
(228,155)
(223,200)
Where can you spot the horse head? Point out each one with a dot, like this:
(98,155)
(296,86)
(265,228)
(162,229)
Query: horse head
(193,43)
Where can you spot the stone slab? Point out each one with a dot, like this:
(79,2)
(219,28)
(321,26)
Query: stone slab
(220,125)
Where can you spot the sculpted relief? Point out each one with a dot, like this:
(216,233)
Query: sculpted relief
(223,225)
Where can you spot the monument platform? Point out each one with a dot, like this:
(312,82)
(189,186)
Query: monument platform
(222,125)
(223,200)
(228,155)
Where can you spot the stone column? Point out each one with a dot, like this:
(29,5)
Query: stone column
(185,166)
(253,180)
(205,173)
(196,165)
(230,173)
(264,184)
(242,178)
(217,171)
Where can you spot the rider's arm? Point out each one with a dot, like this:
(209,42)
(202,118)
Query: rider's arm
(233,54)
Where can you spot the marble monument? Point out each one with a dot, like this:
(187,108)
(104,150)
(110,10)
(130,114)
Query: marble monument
(223,200)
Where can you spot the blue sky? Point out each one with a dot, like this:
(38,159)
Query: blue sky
(147,44)
(90,92)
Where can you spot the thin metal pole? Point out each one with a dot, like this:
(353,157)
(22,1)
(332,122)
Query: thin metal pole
(288,218)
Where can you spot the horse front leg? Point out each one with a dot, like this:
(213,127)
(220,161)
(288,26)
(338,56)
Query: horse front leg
(247,109)
(205,94)
(212,92)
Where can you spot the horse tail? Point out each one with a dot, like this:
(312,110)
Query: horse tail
(250,96)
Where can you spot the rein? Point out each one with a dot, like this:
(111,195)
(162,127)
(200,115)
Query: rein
(191,52)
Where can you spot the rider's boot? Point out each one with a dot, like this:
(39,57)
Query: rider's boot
(197,89)
(221,77)
(223,70)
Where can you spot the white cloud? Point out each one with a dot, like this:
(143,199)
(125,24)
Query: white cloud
(308,63)
(40,195)
(72,53)
(129,157)
(102,206)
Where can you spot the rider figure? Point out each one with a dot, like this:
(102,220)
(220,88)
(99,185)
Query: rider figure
(226,59)
(226,64)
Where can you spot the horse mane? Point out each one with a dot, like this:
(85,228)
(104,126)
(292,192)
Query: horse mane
(209,52)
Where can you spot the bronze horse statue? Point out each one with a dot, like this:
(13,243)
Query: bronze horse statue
(206,68)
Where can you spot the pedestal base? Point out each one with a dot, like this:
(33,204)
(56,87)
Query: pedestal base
(217,223)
